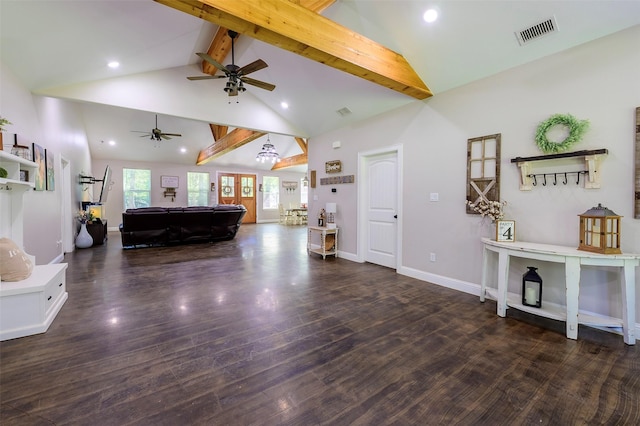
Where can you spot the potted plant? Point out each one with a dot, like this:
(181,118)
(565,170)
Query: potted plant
(3,122)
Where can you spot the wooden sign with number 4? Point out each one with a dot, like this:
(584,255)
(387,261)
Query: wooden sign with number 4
(505,230)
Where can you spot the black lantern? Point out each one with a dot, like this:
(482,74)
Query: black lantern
(532,288)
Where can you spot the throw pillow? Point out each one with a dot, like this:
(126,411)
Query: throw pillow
(15,265)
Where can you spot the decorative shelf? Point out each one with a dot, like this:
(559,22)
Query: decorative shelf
(15,167)
(591,158)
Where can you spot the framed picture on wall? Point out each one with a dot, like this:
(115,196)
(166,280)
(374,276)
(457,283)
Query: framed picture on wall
(169,181)
(41,172)
(51,183)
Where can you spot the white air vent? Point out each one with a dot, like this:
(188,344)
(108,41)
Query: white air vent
(344,111)
(539,30)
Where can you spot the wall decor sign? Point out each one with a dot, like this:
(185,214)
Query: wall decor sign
(41,172)
(334,166)
(169,181)
(312,179)
(334,180)
(51,181)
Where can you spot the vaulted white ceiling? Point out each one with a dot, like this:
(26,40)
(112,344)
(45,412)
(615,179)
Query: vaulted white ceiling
(61,48)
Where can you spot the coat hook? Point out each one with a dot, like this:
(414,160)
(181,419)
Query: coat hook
(555,179)
(565,178)
(534,180)
(578,180)
(545,180)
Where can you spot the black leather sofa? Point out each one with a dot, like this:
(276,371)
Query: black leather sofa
(154,226)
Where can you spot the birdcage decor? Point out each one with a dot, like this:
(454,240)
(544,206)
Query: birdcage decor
(600,231)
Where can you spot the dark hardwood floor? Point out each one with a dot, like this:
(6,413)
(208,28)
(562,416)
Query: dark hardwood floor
(254,331)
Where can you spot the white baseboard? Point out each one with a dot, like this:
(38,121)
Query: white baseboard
(464,286)
(348,256)
(58,259)
(474,289)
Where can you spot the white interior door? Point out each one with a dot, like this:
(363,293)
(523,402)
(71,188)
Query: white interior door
(381,209)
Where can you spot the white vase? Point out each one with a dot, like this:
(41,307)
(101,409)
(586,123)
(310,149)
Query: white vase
(84,239)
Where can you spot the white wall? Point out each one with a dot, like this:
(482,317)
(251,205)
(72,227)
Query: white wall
(115,204)
(598,81)
(57,126)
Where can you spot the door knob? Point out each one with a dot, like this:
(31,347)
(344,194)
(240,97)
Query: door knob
(395,216)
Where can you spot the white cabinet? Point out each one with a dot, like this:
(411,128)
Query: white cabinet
(28,306)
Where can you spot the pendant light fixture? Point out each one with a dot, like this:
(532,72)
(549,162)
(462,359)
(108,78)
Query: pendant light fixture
(268,153)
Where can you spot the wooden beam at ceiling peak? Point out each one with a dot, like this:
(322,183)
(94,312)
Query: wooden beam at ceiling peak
(221,43)
(293,27)
(302,144)
(228,143)
(218,131)
(296,160)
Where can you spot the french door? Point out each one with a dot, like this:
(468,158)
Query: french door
(238,189)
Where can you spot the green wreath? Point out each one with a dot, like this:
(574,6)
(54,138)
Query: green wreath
(576,131)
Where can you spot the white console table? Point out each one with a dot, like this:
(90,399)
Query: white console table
(573,260)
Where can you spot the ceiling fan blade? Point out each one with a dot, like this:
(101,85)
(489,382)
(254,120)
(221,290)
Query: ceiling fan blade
(258,83)
(164,136)
(171,134)
(206,77)
(252,67)
(213,62)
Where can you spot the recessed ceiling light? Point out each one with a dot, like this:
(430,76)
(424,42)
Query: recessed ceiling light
(284,105)
(113,64)
(112,143)
(430,15)
(183,150)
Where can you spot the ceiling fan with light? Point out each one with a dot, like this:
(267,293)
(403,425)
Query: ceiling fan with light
(156,134)
(237,75)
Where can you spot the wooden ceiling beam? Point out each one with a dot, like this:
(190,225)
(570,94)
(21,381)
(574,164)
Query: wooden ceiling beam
(228,143)
(302,144)
(218,131)
(221,44)
(218,50)
(293,27)
(296,160)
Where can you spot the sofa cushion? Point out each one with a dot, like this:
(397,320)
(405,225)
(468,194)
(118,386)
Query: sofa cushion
(145,210)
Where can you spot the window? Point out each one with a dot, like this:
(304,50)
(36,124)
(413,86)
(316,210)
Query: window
(136,185)
(270,192)
(197,189)
(304,192)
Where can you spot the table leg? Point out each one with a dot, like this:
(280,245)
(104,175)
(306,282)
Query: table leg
(485,267)
(572,282)
(628,282)
(503,276)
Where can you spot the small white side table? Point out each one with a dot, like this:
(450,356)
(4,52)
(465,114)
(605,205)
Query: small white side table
(328,241)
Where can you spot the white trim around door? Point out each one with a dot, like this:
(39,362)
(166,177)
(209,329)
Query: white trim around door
(363,161)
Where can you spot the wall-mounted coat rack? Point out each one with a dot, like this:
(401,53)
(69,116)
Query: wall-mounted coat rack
(592,175)
(170,192)
(289,186)
(564,178)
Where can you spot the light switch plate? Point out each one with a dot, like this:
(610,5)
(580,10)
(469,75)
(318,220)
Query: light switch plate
(434,196)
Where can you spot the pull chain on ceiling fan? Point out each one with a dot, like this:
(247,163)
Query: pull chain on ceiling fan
(237,76)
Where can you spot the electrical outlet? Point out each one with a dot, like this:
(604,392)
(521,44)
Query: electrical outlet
(432,257)
(434,196)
